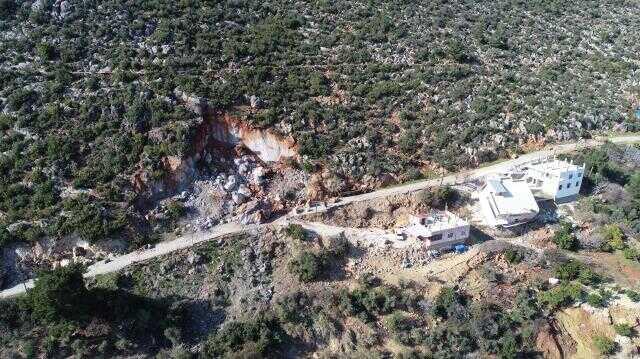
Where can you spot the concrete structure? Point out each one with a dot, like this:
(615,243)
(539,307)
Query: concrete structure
(437,229)
(550,178)
(507,202)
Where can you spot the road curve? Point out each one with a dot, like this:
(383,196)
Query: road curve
(188,240)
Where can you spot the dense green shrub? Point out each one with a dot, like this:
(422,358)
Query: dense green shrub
(175,210)
(255,338)
(447,301)
(92,219)
(369,302)
(633,186)
(624,329)
(605,345)
(296,232)
(633,295)
(631,253)
(59,294)
(397,322)
(439,197)
(308,266)
(513,256)
(576,270)
(562,295)
(613,237)
(595,300)
(564,237)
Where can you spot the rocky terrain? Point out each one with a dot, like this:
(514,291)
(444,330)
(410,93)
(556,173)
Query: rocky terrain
(237,280)
(98,132)
(124,123)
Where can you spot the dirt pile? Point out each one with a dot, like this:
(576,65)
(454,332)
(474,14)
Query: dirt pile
(385,213)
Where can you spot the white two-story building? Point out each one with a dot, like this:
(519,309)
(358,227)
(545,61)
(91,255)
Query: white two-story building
(554,179)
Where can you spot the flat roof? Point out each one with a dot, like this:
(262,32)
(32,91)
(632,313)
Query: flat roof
(553,165)
(516,199)
(434,222)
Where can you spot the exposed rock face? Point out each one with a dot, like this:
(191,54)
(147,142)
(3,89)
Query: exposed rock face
(268,146)
(216,133)
(225,129)
(179,172)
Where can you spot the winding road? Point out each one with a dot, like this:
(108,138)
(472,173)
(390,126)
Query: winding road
(189,240)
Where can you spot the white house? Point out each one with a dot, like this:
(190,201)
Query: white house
(550,178)
(437,229)
(507,202)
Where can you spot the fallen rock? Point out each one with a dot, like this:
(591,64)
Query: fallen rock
(194,258)
(238,198)
(231,183)
(243,190)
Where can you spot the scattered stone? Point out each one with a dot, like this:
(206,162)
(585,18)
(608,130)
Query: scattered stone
(238,198)
(255,101)
(194,258)
(231,183)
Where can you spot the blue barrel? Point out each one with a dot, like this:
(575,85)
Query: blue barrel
(460,248)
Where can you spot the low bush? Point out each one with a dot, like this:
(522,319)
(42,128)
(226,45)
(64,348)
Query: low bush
(175,210)
(613,238)
(562,295)
(446,302)
(605,345)
(624,329)
(439,197)
(513,256)
(595,300)
(397,322)
(308,266)
(631,253)
(255,338)
(369,302)
(576,270)
(296,231)
(564,237)
(633,295)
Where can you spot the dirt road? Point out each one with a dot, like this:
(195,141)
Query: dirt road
(158,250)
(470,174)
(189,240)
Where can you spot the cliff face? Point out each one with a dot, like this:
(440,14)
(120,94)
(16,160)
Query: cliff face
(266,145)
(219,128)
(218,135)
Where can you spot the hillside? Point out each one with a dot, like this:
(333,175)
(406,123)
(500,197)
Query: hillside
(128,123)
(98,97)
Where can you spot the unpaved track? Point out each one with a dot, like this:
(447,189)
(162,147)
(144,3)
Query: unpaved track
(189,240)
(474,173)
(160,249)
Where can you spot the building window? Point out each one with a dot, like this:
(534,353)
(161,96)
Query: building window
(579,174)
(568,185)
(449,235)
(560,188)
(570,175)
(577,184)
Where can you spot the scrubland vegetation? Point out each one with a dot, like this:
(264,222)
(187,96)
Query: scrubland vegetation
(88,89)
